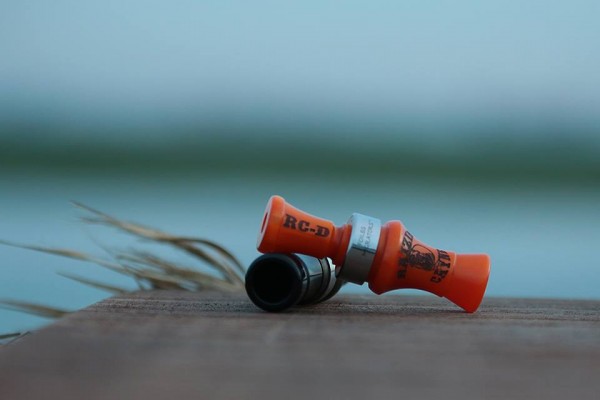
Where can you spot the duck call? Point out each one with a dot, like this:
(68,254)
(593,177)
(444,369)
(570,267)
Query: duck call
(387,256)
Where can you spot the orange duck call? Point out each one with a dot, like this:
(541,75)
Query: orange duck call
(386,256)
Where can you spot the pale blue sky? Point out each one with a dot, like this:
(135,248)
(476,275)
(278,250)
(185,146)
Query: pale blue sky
(148,62)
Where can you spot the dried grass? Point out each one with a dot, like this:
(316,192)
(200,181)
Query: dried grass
(148,270)
(10,335)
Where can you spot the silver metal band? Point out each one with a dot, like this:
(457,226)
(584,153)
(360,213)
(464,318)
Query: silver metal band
(332,279)
(364,240)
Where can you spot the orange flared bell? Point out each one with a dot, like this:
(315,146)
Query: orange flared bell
(285,229)
(387,256)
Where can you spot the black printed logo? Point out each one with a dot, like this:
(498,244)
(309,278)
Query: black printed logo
(301,225)
(416,255)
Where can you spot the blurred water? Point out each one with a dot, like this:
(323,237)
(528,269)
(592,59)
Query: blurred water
(542,240)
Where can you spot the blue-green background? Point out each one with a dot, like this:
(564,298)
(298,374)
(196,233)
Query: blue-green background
(475,123)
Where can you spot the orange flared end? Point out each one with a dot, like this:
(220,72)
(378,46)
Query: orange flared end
(285,229)
(469,281)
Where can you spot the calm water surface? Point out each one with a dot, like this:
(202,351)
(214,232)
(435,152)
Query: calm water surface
(542,240)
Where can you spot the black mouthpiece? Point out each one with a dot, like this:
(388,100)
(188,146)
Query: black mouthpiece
(276,282)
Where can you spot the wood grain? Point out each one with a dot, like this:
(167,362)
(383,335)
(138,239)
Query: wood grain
(179,345)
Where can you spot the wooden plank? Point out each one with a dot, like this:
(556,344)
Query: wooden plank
(157,345)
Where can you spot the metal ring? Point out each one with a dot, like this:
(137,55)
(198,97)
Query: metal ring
(331,279)
(362,247)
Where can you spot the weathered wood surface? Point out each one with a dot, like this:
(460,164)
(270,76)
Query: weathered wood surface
(174,345)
